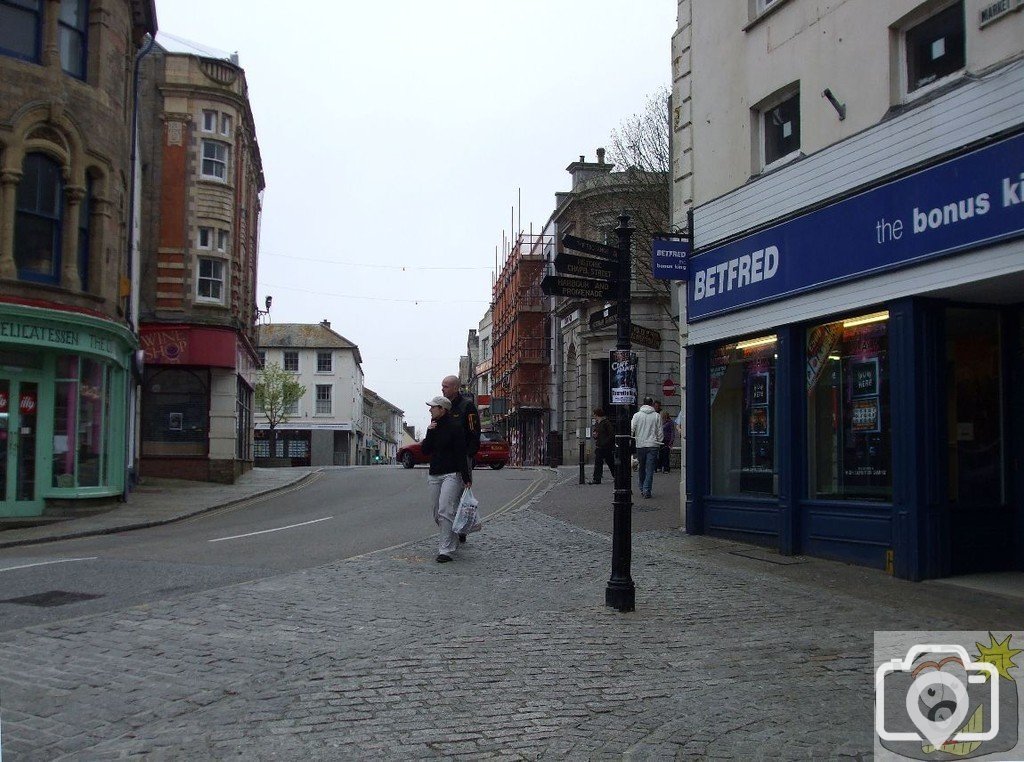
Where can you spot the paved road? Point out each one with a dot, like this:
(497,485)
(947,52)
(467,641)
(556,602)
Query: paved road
(336,514)
(508,653)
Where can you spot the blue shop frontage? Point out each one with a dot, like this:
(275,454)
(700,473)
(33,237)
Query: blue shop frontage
(855,363)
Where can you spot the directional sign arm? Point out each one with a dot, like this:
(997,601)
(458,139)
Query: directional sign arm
(590,247)
(561,285)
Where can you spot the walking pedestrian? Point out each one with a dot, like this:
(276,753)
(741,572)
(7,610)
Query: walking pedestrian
(465,414)
(445,443)
(646,430)
(668,438)
(604,446)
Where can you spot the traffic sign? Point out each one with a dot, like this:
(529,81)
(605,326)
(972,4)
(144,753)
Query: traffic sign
(590,247)
(586,267)
(561,285)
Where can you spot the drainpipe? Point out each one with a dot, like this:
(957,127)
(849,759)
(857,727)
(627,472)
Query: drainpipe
(131,310)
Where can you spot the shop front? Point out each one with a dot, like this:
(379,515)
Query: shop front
(853,374)
(63,389)
(197,403)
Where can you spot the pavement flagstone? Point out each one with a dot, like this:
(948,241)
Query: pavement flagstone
(508,653)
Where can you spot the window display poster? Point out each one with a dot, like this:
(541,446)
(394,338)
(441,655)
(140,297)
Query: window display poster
(864,418)
(719,365)
(759,389)
(821,342)
(864,375)
(623,366)
(759,421)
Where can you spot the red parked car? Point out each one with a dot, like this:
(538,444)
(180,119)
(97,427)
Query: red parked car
(493,452)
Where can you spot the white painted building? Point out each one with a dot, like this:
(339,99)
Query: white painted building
(854,314)
(326,426)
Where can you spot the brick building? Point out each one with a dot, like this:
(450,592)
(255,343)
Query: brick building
(67,338)
(204,179)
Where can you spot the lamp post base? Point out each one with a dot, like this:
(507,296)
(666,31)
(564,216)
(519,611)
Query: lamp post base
(620,595)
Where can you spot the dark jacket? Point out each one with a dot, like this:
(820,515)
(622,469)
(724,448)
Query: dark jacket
(604,435)
(464,412)
(446,446)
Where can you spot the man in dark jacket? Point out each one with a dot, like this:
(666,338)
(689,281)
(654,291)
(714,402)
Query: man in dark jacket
(464,413)
(604,446)
(445,443)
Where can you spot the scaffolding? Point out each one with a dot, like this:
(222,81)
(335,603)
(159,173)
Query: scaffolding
(521,349)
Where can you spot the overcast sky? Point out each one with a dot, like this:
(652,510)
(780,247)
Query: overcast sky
(397,138)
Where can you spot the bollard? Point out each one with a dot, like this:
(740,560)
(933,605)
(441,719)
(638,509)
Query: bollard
(583,457)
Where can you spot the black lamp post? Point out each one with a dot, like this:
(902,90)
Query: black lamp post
(620,593)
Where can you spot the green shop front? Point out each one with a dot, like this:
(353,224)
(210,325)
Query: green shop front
(62,407)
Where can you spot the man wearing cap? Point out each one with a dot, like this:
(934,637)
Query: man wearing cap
(464,413)
(445,443)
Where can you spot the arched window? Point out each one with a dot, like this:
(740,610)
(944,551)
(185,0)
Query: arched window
(19,28)
(37,226)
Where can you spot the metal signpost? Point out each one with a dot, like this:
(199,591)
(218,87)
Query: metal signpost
(620,593)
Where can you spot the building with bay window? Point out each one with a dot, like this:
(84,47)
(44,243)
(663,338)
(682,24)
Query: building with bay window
(854,330)
(203,180)
(67,322)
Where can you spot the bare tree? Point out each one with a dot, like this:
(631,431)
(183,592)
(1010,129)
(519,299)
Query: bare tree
(641,151)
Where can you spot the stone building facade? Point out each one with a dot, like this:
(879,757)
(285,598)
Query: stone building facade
(203,177)
(586,328)
(67,324)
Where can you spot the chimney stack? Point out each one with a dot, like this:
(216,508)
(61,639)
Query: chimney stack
(325,323)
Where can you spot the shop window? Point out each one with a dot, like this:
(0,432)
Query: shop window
(934,48)
(175,413)
(73,28)
(243,419)
(37,225)
(81,422)
(19,28)
(742,400)
(849,438)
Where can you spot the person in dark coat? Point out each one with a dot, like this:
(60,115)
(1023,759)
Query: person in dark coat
(464,413)
(668,438)
(604,446)
(445,443)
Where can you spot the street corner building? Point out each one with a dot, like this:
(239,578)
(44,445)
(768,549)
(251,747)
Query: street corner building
(201,205)
(334,421)
(854,333)
(67,216)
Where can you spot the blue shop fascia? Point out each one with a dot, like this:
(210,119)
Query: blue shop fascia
(855,359)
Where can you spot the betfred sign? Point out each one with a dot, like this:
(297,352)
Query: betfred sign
(972,200)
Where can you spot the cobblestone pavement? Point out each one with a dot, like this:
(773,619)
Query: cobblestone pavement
(506,653)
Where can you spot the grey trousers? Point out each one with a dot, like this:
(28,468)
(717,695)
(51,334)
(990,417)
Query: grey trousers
(445,492)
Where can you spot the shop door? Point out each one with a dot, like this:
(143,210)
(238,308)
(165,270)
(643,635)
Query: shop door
(19,403)
(981,537)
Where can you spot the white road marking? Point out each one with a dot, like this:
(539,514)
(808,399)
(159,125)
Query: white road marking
(279,529)
(45,563)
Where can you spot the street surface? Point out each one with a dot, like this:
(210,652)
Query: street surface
(338,513)
(733,652)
